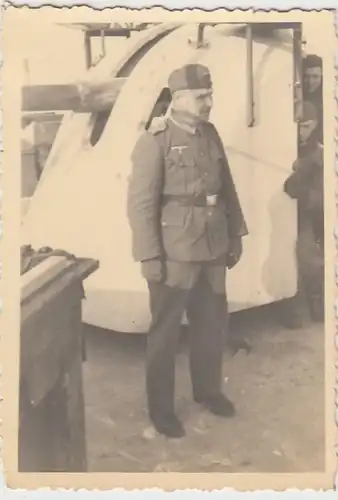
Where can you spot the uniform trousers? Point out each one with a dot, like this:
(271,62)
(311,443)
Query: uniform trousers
(311,263)
(198,290)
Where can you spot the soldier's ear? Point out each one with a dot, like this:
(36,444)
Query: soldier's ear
(178,97)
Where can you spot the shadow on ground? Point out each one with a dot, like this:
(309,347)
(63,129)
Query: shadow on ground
(278,390)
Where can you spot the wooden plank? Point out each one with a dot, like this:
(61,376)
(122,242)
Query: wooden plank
(83,97)
(52,422)
(75,398)
(40,295)
(47,338)
(43,436)
(51,396)
(45,272)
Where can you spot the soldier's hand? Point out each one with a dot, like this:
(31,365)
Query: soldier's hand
(153,270)
(235,252)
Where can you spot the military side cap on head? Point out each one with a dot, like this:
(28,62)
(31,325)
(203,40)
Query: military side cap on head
(190,77)
(312,61)
(309,112)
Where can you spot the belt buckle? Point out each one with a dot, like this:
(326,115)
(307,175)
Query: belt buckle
(212,200)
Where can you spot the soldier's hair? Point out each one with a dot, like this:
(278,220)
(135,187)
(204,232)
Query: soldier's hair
(312,61)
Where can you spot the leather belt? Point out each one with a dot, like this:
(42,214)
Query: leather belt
(201,200)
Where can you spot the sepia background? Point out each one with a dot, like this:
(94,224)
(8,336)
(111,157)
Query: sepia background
(279,385)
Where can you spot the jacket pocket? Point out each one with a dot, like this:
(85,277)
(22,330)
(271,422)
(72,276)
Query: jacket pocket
(173,215)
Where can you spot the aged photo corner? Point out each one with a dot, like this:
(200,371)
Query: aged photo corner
(172,248)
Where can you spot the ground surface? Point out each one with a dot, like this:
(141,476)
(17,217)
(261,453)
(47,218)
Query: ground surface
(278,390)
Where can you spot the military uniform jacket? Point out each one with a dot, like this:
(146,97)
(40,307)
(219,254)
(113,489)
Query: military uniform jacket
(306,182)
(306,185)
(171,162)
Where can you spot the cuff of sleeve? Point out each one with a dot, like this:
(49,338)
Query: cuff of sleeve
(146,254)
(238,230)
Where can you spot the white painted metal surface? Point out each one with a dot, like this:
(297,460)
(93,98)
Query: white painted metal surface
(80,205)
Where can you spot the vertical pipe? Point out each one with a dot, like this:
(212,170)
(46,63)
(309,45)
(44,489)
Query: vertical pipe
(297,100)
(297,74)
(200,34)
(87,47)
(249,75)
(103,44)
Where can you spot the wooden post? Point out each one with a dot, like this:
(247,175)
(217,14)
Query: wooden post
(51,407)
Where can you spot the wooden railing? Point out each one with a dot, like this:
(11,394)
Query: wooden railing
(51,406)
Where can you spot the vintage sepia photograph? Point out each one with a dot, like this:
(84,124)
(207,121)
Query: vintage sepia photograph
(174,298)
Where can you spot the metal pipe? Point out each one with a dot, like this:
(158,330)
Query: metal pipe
(200,34)
(103,44)
(88,51)
(297,74)
(250,82)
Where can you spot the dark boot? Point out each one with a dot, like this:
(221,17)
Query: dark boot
(170,427)
(218,404)
(290,313)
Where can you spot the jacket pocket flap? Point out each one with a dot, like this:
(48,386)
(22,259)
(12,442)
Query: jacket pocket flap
(173,215)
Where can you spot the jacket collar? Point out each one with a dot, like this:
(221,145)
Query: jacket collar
(180,122)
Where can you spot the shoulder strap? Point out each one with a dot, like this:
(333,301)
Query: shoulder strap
(157,125)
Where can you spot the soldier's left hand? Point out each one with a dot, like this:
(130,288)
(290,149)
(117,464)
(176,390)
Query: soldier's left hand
(235,252)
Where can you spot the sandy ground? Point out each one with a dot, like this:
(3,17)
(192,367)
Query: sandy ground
(278,390)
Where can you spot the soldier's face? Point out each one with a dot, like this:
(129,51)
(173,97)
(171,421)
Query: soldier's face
(196,103)
(306,129)
(202,102)
(312,79)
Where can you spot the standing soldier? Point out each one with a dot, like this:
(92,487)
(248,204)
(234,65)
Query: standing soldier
(187,228)
(305,185)
(313,88)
